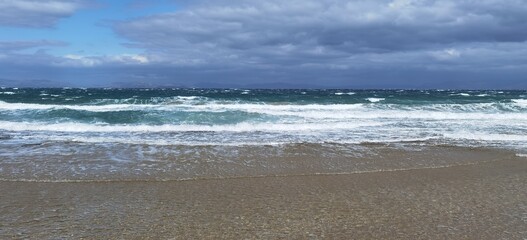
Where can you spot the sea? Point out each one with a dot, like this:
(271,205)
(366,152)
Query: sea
(73,134)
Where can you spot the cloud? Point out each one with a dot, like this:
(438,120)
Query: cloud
(18,53)
(332,43)
(13,46)
(298,32)
(92,61)
(446,54)
(36,13)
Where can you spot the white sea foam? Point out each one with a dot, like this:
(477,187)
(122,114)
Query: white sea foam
(482,136)
(478,111)
(94,108)
(520,102)
(342,93)
(394,115)
(159,142)
(374,100)
(188,98)
(460,94)
(240,127)
(214,107)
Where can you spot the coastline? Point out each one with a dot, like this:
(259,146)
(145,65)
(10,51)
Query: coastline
(484,200)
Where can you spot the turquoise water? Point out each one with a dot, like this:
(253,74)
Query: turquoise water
(237,116)
(77,133)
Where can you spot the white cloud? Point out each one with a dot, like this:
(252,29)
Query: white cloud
(57,7)
(446,54)
(141,59)
(92,61)
(398,4)
(36,13)
(82,60)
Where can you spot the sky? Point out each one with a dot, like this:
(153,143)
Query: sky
(448,44)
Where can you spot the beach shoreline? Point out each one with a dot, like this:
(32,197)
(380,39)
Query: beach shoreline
(485,200)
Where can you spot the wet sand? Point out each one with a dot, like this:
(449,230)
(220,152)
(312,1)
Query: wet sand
(485,200)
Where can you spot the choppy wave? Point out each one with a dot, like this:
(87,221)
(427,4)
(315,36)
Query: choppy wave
(520,102)
(374,100)
(126,105)
(241,127)
(240,116)
(93,134)
(515,110)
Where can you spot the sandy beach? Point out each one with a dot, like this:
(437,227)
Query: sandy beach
(485,200)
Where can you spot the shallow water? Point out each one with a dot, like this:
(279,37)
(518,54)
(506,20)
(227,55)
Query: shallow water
(81,162)
(166,134)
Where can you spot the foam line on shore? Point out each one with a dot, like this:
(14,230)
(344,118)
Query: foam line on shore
(240,177)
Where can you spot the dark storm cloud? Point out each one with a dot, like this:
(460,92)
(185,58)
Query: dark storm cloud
(264,32)
(36,13)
